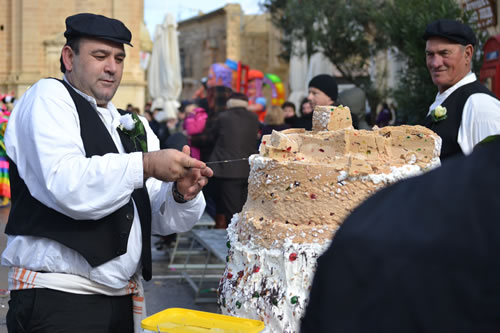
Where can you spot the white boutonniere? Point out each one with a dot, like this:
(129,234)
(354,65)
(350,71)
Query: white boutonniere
(131,125)
(438,114)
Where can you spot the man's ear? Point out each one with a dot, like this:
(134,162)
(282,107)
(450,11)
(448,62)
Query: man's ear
(469,51)
(67,55)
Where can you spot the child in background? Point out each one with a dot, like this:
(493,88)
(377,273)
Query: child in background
(196,118)
(274,120)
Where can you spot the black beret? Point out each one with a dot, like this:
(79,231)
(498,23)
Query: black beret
(327,84)
(452,30)
(97,26)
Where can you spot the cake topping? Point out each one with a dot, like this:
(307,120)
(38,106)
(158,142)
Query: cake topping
(331,118)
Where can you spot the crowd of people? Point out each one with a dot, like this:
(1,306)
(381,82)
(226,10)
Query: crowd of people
(199,125)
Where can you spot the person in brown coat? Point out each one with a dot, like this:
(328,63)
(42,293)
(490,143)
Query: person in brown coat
(235,133)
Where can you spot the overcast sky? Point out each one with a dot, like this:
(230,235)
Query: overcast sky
(155,10)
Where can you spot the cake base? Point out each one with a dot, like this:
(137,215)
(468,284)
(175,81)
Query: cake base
(271,285)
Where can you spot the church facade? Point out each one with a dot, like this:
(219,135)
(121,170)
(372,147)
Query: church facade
(31,35)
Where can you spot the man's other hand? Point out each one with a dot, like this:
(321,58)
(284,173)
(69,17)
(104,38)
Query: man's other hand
(194,181)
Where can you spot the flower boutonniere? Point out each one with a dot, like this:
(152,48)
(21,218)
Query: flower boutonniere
(131,125)
(438,114)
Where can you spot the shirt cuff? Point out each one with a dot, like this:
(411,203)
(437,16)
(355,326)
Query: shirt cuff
(137,169)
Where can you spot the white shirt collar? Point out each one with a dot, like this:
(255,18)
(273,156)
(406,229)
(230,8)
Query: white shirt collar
(441,97)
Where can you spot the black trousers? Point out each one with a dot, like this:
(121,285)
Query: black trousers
(51,311)
(231,195)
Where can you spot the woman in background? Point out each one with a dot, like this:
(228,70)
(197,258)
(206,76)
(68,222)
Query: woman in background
(306,114)
(196,118)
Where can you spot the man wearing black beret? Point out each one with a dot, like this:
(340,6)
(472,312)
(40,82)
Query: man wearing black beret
(89,186)
(464,112)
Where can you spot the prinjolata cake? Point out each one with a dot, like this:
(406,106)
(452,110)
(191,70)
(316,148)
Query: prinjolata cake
(301,187)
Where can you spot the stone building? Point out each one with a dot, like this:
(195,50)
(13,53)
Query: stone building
(227,33)
(31,35)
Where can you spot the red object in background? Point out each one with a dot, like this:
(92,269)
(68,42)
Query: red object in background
(490,71)
(242,67)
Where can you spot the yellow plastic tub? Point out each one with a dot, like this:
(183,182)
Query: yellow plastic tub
(177,320)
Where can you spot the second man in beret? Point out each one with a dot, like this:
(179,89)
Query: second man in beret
(464,112)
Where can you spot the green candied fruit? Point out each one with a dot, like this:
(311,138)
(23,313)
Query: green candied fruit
(294,300)
(228,244)
(274,301)
(238,304)
(227,258)
(256,294)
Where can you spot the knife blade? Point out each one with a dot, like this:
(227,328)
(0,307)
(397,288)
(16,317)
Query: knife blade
(228,161)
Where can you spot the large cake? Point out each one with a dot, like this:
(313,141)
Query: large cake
(302,185)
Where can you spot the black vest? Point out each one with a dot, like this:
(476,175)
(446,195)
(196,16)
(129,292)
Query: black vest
(448,129)
(98,241)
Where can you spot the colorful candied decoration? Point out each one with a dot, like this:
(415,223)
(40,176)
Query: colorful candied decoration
(220,75)
(4,164)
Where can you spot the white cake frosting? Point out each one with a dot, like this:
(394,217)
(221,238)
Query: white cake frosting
(269,279)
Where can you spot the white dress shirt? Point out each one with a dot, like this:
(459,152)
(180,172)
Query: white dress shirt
(43,140)
(480,118)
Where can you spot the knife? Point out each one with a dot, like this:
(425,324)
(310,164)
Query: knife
(228,161)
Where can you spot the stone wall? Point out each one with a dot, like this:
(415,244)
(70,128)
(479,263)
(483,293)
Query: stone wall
(227,33)
(202,42)
(31,35)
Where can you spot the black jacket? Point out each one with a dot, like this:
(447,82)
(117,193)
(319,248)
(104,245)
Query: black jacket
(235,135)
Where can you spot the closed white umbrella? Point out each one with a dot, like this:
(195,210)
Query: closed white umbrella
(164,73)
(297,76)
(319,64)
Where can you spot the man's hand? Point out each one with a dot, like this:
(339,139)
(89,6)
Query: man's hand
(194,180)
(170,165)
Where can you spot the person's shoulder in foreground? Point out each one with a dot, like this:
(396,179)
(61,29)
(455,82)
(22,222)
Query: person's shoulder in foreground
(419,256)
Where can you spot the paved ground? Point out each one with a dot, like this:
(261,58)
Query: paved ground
(165,290)
(4,297)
